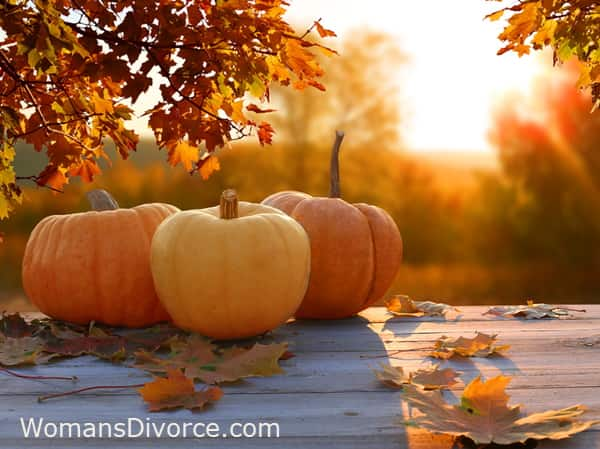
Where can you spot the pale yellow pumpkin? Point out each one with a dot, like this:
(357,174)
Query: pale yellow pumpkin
(232,271)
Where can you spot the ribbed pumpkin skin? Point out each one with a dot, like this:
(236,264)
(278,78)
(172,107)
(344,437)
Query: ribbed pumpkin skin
(231,278)
(96,266)
(356,250)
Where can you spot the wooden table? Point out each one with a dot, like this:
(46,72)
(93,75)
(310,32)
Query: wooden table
(329,397)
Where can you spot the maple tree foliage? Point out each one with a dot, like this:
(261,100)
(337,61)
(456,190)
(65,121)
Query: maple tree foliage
(570,27)
(70,71)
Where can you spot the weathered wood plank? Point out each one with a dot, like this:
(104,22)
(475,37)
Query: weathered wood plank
(475,313)
(329,397)
(311,415)
(341,371)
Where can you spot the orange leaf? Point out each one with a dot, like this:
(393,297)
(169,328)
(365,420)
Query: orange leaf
(265,133)
(208,166)
(324,32)
(175,391)
(52,177)
(87,169)
(254,108)
(183,152)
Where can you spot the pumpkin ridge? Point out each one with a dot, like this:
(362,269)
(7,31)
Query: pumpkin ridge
(374,276)
(58,254)
(280,235)
(176,243)
(96,284)
(142,223)
(42,239)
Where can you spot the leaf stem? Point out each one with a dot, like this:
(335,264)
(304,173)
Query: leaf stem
(229,205)
(101,200)
(25,376)
(334,167)
(81,390)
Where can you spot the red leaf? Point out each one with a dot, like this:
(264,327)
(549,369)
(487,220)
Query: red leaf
(324,32)
(254,108)
(265,133)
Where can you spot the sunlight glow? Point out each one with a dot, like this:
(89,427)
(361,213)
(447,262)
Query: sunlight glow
(454,76)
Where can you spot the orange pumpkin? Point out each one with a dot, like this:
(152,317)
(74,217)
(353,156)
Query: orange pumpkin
(95,266)
(356,249)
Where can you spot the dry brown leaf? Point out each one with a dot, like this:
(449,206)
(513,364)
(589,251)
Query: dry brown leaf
(431,378)
(200,359)
(482,345)
(485,417)
(401,305)
(175,391)
(532,311)
(22,351)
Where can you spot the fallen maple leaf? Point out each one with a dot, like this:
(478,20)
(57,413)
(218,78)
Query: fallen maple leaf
(201,359)
(484,415)
(175,391)
(429,378)
(102,343)
(482,345)
(111,347)
(22,351)
(14,326)
(531,311)
(402,305)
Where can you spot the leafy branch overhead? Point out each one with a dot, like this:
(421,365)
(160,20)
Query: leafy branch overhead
(570,27)
(70,71)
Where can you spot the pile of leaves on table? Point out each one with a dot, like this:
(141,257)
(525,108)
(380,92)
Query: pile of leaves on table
(163,350)
(482,413)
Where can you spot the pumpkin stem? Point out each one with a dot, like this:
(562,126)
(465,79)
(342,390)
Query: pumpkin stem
(229,204)
(101,200)
(334,174)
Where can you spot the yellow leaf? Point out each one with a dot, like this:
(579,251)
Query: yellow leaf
(33,57)
(495,15)
(209,166)
(185,153)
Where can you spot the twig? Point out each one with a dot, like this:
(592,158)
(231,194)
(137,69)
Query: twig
(36,179)
(81,390)
(310,28)
(25,376)
(390,354)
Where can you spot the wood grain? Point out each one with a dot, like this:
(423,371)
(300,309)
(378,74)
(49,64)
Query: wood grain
(328,397)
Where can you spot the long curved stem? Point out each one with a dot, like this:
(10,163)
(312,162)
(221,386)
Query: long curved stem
(81,390)
(334,174)
(101,200)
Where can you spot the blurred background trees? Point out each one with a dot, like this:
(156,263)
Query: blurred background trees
(528,228)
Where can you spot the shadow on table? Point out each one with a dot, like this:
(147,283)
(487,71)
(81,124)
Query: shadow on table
(339,357)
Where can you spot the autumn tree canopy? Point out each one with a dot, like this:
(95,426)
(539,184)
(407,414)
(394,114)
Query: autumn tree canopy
(70,71)
(570,27)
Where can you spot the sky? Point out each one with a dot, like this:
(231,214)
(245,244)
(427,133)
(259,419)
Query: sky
(454,76)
